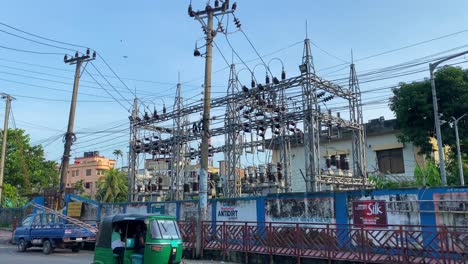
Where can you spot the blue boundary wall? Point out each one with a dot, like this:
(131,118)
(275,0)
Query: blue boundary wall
(341,203)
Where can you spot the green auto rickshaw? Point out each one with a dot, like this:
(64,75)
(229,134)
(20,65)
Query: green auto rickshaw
(162,239)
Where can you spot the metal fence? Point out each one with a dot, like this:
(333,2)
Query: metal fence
(389,244)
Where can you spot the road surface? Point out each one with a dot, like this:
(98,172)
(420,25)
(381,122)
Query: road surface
(9,254)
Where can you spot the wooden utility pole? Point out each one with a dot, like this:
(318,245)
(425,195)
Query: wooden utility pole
(70,136)
(4,142)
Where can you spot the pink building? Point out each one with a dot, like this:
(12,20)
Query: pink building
(88,168)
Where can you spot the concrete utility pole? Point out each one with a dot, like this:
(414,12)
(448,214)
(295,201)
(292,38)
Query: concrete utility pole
(4,142)
(432,67)
(70,136)
(460,164)
(209,13)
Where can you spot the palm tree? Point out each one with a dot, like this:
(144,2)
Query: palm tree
(117,153)
(112,187)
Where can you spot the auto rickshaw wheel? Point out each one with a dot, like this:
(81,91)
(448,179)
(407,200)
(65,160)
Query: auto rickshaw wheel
(46,247)
(22,245)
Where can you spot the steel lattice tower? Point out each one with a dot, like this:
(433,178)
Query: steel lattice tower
(311,121)
(284,141)
(233,146)
(358,135)
(178,147)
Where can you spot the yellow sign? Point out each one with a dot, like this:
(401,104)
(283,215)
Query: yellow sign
(74,209)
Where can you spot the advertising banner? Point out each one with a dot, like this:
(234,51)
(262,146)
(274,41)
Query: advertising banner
(370,213)
(236,210)
(305,210)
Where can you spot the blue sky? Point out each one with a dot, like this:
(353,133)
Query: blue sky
(148,42)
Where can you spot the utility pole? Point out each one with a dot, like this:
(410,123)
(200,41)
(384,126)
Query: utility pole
(132,169)
(432,67)
(8,99)
(70,136)
(209,13)
(460,164)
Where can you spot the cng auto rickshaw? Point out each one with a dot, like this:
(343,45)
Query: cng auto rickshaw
(163,242)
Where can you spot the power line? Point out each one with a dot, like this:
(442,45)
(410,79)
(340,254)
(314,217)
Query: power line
(107,91)
(400,48)
(37,36)
(31,51)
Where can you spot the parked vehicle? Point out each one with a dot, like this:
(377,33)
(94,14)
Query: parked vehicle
(49,231)
(162,239)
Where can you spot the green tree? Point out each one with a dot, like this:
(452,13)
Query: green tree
(25,165)
(117,153)
(78,186)
(412,105)
(112,187)
(428,175)
(11,197)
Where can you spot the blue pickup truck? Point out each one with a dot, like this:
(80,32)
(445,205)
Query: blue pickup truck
(49,231)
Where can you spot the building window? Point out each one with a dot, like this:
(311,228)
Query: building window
(73,174)
(391,160)
(77,173)
(87,185)
(88,172)
(100,172)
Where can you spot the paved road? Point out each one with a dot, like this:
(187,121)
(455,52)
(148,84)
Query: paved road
(9,254)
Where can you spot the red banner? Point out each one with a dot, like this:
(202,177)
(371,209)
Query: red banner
(370,213)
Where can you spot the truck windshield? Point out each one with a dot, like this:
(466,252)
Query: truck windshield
(164,229)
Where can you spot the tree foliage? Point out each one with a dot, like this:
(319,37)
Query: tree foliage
(78,186)
(412,105)
(25,165)
(428,175)
(112,187)
(11,197)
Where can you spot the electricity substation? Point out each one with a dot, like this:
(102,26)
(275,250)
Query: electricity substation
(266,117)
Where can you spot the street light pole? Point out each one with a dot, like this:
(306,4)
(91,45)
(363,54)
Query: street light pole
(460,164)
(432,67)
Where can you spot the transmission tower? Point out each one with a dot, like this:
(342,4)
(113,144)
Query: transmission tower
(311,121)
(178,147)
(233,148)
(358,135)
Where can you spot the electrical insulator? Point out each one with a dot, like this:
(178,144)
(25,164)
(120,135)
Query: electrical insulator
(245,89)
(216,3)
(260,87)
(190,11)
(328,162)
(196,53)
(88,52)
(155,114)
(65,58)
(279,166)
(275,80)
(164,108)
(76,54)
(234,6)
(94,54)
(267,79)
(283,75)
(146,116)
(252,83)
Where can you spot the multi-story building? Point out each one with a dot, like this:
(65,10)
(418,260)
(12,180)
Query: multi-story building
(385,155)
(88,168)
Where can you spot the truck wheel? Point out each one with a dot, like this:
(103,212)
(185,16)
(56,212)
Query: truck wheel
(22,245)
(46,247)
